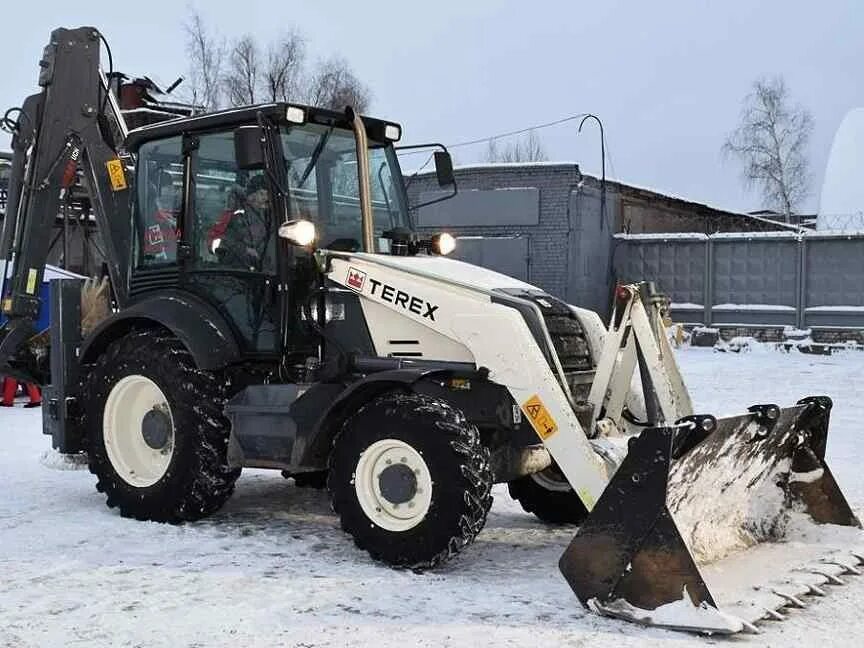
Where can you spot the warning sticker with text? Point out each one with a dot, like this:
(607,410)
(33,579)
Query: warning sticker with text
(116,175)
(539,417)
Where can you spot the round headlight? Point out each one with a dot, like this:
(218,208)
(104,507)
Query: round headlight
(443,243)
(299,232)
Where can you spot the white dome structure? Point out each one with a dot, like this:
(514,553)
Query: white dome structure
(841,206)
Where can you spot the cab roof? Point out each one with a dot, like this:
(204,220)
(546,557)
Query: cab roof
(233,117)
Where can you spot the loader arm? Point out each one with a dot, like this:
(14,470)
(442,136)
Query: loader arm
(635,338)
(65,128)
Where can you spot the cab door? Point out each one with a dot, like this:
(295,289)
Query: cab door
(231,241)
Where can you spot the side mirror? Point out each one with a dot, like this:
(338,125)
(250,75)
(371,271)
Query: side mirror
(249,148)
(444,169)
(443,172)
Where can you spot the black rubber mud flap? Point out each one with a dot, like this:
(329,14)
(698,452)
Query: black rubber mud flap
(629,547)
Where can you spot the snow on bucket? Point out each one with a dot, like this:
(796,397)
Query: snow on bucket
(698,494)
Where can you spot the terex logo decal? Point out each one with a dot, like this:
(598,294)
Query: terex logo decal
(356,279)
(414,304)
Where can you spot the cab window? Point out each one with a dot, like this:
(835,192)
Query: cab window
(233,218)
(159,205)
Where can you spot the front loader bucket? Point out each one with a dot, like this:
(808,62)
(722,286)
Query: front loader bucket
(665,544)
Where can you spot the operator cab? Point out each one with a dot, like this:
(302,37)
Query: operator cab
(215,192)
(305,161)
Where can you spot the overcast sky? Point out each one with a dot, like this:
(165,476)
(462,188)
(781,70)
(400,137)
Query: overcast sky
(666,78)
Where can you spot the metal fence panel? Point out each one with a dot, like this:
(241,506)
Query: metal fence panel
(677,265)
(754,280)
(834,282)
(755,272)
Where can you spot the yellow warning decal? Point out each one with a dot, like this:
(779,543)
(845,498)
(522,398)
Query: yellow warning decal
(539,417)
(32,274)
(116,175)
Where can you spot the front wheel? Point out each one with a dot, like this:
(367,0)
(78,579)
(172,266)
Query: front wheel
(549,496)
(410,480)
(157,439)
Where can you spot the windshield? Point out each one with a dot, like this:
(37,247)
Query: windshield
(323,185)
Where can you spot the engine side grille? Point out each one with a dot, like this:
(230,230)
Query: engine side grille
(567,334)
(144,281)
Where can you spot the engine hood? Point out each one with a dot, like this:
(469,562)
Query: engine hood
(450,270)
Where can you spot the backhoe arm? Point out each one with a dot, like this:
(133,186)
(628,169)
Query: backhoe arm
(67,127)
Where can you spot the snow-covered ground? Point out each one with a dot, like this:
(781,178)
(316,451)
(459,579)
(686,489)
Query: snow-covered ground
(273,568)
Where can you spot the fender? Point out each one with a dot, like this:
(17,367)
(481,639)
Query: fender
(197,324)
(356,395)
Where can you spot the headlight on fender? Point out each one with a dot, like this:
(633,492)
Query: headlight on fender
(443,243)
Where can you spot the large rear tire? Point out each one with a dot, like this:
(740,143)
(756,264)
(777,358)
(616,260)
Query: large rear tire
(156,435)
(548,496)
(410,480)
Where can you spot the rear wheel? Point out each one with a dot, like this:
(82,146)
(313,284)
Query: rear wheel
(157,438)
(410,480)
(549,496)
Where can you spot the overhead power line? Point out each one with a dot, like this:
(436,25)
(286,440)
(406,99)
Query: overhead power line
(520,131)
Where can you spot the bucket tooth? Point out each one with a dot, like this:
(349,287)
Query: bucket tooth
(791,600)
(751,628)
(774,614)
(830,578)
(849,570)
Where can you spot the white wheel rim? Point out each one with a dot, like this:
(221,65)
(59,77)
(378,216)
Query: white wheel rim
(551,480)
(134,460)
(381,511)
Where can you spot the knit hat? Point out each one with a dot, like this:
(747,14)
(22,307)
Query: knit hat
(256,183)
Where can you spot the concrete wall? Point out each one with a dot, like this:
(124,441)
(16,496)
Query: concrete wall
(809,280)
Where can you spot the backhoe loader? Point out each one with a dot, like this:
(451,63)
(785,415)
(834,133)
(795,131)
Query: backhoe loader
(271,306)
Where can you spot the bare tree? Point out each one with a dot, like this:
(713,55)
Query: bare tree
(242,78)
(283,73)
(529,149)
(248,72)
(206,53)
(771,142)
(334,85)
